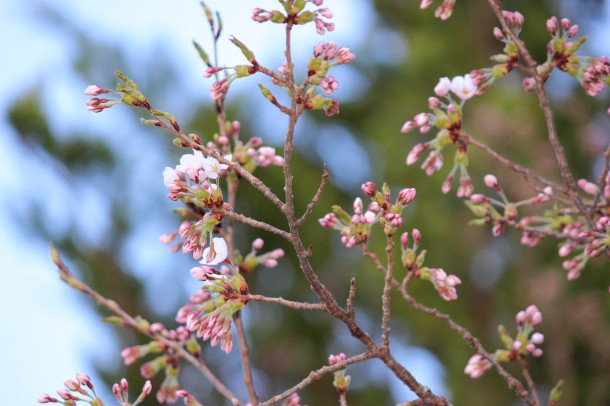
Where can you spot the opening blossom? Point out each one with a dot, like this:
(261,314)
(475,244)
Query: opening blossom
(216,253)
(463,87)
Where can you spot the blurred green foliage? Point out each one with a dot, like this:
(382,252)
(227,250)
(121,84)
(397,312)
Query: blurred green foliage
(500,276)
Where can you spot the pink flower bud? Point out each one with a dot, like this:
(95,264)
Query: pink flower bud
(416,236)
(404,240)
(498,33)
(95,90)
(369,188)
(443,87)
(406,196)
(537,338)
(565,24)
(47,399)
(552,25)
(491,182)
(573,31)
(425,4)
(434,103)
(257,244)
(478,198)
(588,187)
(409,125)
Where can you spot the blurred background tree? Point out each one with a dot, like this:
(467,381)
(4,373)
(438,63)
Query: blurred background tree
(102,202)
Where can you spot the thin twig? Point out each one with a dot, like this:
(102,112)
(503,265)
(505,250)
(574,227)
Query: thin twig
(319,307)
(245,358)
(316,375)
(510,164)
(351,298)
(514,384)
(254,223)
(68,277)
(316,197)
(543,99)
(528,378)
(385,298)
(601,181)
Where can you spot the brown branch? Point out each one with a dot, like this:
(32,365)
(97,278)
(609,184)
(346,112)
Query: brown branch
(316,197)
(526,172)
(351,298)
(245,358)
(320,307)
(528,378)
(514,384)
(601,182)
(316,375)
(68,277)
(253,180)
(543,100)
(254,223)
(385,298)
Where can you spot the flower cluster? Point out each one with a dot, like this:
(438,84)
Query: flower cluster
(194,235)
(253,154)
(81,390)
(341,381)
(325,56)
(195,179)
(295,13)
(209,313)
(164,359)
(591,243)
(446,116)
(354,229)
(414,263)
(443,11)
(561,54)
(252,259)
(127,92)
(524,343)
(484,207)
(189,400)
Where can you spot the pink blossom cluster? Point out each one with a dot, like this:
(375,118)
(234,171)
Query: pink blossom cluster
(97,104)
(195,236)
(592,243)
(261,15)
(212,320)
(484,207)
(81,390)
(446,116)
(334,359)
(189,400)
(561,29)
(597,76)
(523,344)
(443,11)
(477,366)
(253,153)
(209,313)
(328,51)
(443,283)
(202,172)
(253,259)
(121,392)
(355,229)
